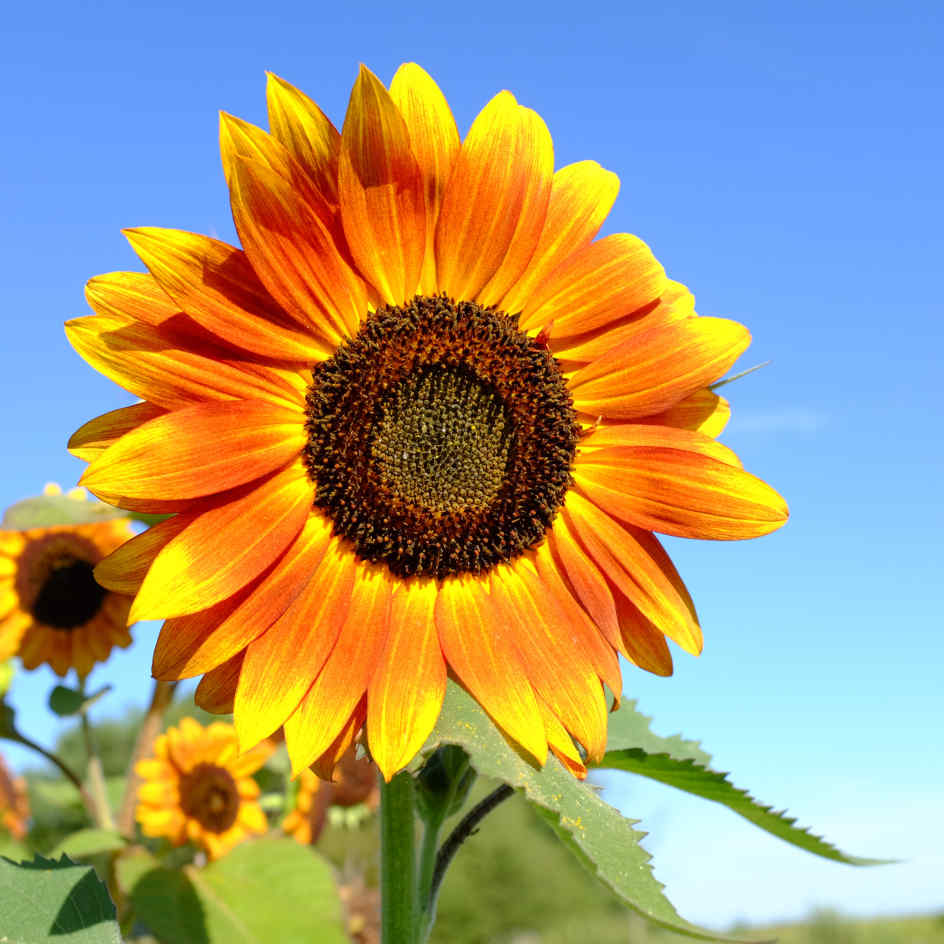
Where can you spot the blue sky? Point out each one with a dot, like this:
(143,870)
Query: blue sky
(784,161)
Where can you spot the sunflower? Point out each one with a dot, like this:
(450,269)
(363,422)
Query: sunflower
(354,782)
(423,423)
(14,802)
(51,607)
(198,788)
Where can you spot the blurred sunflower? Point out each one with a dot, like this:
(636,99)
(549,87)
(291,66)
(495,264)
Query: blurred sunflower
(14,802)
(51,607)
(354,781)
(423,423)
(198,788)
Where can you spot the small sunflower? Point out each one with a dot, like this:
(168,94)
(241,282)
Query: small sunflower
(354,781)
(423,423)
(14,802)
(198,788)
(51,607)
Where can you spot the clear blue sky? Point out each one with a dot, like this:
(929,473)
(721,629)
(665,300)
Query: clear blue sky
(784,160)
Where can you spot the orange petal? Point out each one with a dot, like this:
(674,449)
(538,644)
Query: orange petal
(561,743)
(383,205)
(242,140)
(217,689)
(124,569)
(94,437)
(475,641)
(215,285)
(330,701)
(560,671)
(703,411)
(130,295)
(624,561)
(293,253)
(282,663)
(659,367)
(199,450)
(159,366)
(226,547)
(645,644)
(407,690)
(503,168)
(324,764)
(582,196)
(306,132)
(681,492)
(435,142)
(650,436)
(191,645)
(597,285)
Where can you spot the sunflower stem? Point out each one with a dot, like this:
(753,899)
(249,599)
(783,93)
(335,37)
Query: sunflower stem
(400,914)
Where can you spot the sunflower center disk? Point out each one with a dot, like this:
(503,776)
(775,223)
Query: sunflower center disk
(69,596)
(440,438)
(209,795)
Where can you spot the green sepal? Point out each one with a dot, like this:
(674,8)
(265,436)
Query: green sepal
(443,783)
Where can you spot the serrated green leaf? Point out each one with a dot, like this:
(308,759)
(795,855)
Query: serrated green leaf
(595,832)
(630,728)
(264,890)
(698,779)
(66,702)
(54,902)
(89,842)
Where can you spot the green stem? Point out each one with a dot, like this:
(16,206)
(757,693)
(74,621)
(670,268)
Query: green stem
(399,907)
(67,771)
(96,779)
(428,856)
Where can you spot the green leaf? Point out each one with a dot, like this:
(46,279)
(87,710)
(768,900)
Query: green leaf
(89,842)
(46,511)
(50,902)
(264,890)
(595,832)
(69,701)
(631,746)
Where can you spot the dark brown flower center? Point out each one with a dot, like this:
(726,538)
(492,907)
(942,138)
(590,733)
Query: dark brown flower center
(69,596)
(209,795)
(440,438)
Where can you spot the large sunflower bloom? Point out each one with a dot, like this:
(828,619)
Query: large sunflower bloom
(51,607)
(198,788)
(423,423)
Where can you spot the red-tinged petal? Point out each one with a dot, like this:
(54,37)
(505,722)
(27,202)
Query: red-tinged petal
(659,367)
(596,286)
(293,253)
(217,689)
(94,437)
(502,168)
(680,492)
(582,196)
(383,204)
(226,547)
(124,569)
(330,701)
(625,562)
(407,690)
(158,366)
(241,140)
(538,153)
(215,285)
(559,670)
(561,743)
(134,295)
(645,645)
(605,437)
(478,647)
(703,411)
(199,450)
(306,132)
(282,663)
(194,644)
(590,586)
(324,765)
(585,635)
(435,142)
